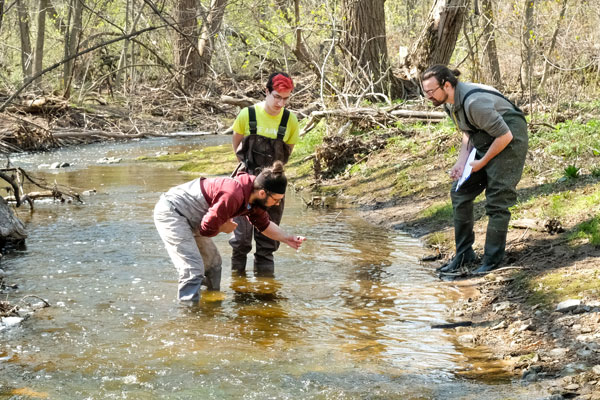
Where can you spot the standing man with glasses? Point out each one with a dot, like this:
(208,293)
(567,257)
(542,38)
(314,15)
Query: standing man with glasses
(262,134)
(497,129)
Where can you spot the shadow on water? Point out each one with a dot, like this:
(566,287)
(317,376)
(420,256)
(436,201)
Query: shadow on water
(348,316)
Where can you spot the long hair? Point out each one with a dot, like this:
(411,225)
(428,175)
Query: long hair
(272,179)
(442,74)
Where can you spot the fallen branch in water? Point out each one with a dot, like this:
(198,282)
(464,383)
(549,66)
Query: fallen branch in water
(16,177)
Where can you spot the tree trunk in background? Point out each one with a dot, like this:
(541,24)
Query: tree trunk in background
(437,41)
(489,41)
(552,44)
(187,57)
(364,38)
(1,13)
(210,28)
(38,55)
(527,50)
(72,39)
(300,50)
(25,40)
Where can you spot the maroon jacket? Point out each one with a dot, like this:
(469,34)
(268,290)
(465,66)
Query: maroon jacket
(229,198)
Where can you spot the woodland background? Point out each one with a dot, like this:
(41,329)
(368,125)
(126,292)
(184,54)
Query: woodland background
(545,53)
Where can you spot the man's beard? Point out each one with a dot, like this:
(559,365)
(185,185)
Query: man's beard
(260,203)
(436,102)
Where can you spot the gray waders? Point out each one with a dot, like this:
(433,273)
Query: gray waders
(499,179)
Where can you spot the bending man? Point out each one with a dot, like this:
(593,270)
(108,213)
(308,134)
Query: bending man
(263,134)
(497,129)
(188,215)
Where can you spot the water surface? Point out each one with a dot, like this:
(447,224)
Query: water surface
(346,317)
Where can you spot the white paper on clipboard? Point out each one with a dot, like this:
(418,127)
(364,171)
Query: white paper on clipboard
(466,170)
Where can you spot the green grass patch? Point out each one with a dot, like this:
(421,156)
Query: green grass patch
(552,288)
(214,160)
(438,211)
(569,139)
(588,231)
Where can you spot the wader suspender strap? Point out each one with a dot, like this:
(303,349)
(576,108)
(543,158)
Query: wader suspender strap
(282,124)
(252,120)
(470,92)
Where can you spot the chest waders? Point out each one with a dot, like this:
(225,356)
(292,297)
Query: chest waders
(257,152)
(499,179)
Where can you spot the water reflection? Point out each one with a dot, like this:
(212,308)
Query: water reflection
(346,317)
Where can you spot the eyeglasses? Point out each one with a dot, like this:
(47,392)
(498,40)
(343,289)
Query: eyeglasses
(277,201)
(431,91)
(279,98)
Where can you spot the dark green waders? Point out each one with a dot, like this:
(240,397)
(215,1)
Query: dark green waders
(499,179)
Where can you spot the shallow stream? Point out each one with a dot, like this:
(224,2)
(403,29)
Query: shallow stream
(346,317)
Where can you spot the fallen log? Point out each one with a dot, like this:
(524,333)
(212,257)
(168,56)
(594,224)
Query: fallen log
(377,115)
(66,134)
(10,226)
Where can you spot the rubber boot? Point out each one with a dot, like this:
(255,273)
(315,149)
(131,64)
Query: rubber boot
(212,278)
(458,261)
(238,263)
(464,237)
(495,244)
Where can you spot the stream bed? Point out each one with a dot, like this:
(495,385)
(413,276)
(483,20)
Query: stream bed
(348,316)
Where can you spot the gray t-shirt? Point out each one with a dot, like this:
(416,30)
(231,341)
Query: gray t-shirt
(484,110)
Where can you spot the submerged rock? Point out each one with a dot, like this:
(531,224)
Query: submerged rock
(109,160)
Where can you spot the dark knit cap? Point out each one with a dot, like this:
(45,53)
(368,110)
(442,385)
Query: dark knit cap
(273,184)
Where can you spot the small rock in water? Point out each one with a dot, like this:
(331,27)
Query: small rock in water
(567,305)
(11,321)
(88,192)
(109,160)
(57,165)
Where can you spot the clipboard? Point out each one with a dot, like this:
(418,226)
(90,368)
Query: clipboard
(466,170)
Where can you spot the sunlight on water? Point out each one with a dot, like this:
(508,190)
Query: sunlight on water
(347,317)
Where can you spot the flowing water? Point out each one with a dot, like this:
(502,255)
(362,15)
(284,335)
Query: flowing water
(346,317)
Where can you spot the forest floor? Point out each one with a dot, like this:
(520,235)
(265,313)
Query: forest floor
(397,177)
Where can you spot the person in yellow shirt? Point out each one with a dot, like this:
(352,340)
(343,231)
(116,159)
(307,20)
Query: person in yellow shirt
(262,134)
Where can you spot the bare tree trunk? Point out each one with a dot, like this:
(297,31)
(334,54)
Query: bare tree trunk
(527,52)
(38,55)
(437,41)
(210,27)
(1,13)
(72,39)
(25,39)
(365,40)
(300,50)
(489,40)
(552,44)
(187,57)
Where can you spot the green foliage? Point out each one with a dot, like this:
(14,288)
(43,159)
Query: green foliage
(596,172)
(570,139)
(588,230)
(439,211)
(571,172)
(309,142)
(550,289)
